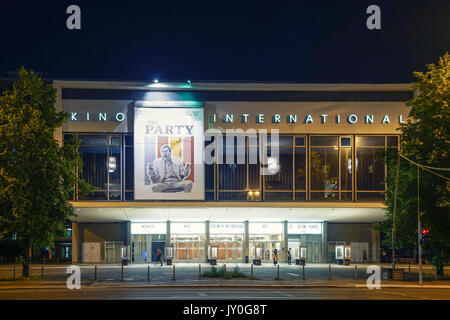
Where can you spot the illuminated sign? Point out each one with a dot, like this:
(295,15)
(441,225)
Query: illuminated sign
(100,116)
(148,228)
(168,154)
(226,228)
(265,228)
(187,228)
(307,119)
(304,228)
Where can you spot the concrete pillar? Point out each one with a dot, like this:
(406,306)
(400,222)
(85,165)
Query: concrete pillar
(207,239)
(375,252)
(324,242)
(246,242)
(127,238)
(75,242)
(285,242)
(167,233)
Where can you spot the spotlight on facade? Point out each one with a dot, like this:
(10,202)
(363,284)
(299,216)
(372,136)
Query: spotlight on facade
(155,80)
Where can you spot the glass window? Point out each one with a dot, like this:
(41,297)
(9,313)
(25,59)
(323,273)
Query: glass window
(346,169)
(371,169)
(278,196)
(299,141)
(233,172)
(324,141)
(392,141)
(324,169)
(300,168)
(95,171)
(283,180)
(370,141)
(283,141)
(346,142)
(93,140)
(102,166)
(324,196)
(370,196)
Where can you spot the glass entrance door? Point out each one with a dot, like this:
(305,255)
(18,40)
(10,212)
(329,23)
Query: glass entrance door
(188,248)
(230,247)
(268,243)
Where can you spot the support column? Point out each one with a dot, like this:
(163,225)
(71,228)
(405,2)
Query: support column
(127,238)
(375,252)
(167,233)
(246,242)
(74,242)
(207,240)
(285,241)
(324,242)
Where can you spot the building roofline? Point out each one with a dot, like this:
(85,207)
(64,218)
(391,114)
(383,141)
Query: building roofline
(229,86)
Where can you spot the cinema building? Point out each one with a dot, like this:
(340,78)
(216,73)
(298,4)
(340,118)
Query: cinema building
(292,165)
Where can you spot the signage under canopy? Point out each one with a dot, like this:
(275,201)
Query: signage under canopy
(304,228)
(148,228)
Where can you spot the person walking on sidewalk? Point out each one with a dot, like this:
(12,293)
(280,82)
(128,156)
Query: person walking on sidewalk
(289,255)
(275,256)
(364,256)
(158,256)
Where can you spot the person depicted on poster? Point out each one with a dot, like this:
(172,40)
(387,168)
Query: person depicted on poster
(167,173)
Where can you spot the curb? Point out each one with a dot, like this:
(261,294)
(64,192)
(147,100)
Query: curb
(254,286)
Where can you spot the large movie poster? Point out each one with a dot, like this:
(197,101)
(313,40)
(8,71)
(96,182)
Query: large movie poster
(168,154)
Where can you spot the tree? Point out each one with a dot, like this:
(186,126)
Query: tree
(37,176)
(426,141)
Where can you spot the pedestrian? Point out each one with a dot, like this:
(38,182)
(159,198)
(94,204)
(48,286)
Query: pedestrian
(289,255)
(383,256)
(158,256)
(275,256)
(364,256)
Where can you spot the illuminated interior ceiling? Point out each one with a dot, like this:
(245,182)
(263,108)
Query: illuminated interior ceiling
(252,214)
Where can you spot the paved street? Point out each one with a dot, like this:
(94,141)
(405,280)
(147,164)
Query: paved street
(313,293)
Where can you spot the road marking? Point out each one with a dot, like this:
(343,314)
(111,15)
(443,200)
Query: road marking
(293,274)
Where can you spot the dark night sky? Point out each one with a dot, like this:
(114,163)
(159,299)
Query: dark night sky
(297,40)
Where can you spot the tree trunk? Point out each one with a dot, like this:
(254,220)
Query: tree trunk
(26,265)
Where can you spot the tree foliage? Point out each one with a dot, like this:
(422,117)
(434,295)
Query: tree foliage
(36,174)
(426,141)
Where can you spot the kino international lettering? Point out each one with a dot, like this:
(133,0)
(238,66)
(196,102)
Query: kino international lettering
(245,118)
(308,119)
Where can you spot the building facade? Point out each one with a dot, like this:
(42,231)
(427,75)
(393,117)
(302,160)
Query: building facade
(230,165)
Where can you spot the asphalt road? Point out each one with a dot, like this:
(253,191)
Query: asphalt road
(226,294)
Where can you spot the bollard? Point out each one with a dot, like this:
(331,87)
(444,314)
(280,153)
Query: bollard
(329,272)
(278,271)
(148,273)
(95,273)
(122,274)
(225,271)
(44,260)
(409,272)
(382,272)
(303,273)
(251,271)
(14,273)
(199,272)
(173,272)
(356,272)
(42,273)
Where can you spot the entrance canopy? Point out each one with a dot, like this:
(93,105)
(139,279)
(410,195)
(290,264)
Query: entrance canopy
(234,214)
